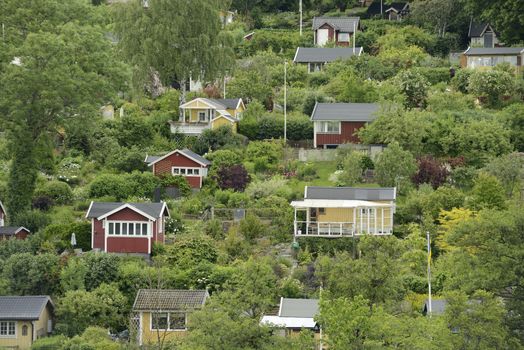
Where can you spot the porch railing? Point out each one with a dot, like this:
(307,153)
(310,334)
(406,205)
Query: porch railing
(336,229)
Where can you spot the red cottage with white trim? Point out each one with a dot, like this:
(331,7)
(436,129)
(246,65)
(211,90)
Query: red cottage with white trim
(127,227)
(181,163)
(338,123)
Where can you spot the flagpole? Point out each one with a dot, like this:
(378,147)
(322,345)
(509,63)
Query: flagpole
(285,102)
(300,9)
(429,274)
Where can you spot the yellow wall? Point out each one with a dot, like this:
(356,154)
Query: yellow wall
(346,215)
(221,121)
(150,336)
(23,342)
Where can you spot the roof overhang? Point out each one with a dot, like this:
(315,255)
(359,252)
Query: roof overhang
(337,203)
(173,152)
(128,206)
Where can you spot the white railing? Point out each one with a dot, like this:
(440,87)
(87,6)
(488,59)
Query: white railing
(189,128)
(336,229)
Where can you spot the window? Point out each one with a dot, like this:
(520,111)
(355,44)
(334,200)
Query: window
(159,320)
(168,321)
(343,37)
(24,330)
(127,228)
(186,171)
(367,211)
(177,321)
(329,127)
(202,116)
(7,328)
(321,210)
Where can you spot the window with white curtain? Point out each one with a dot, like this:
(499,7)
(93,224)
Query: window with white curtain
(128,228)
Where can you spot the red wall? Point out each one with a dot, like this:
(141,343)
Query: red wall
(332,34)
(117,244)
(164,167)
(348,129)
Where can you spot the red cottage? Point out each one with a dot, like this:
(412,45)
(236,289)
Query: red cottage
(7,232)
(181,163)
(127,227)
(337,123)
(334,29)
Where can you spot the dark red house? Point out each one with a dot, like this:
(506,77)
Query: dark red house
(335,29)
(181,163)
(7,232)
(337,123)
(127,227)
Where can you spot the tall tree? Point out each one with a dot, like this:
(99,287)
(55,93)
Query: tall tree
(55,77)
(168,38)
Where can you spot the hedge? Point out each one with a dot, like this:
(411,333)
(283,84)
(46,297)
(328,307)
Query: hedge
(272,127)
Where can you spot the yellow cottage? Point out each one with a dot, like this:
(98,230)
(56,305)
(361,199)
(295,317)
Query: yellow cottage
(160,315)
(205,113)
(344,211)
(23,319)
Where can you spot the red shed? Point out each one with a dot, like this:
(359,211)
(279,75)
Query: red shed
(7,232)
(118,227)
(337,123)
(181,163)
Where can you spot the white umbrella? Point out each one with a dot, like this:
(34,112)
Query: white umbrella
(73,239)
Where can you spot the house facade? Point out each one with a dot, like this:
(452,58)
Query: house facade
(118,227)
(8,232)
(162,313)
(293,316)
(490,57)
(316,57)
(24,319)
(395,11)
(184,163)
(205,113)
(339,30)
(337,123)
(344,212)
(481,34)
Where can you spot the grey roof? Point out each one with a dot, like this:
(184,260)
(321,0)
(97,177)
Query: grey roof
(374,8)
(195,156)
(11,230)
(298,307)
(361,112)
(187,152)
(351,193)
(151,159)
(100,208)
(474,51)
(344,24)
(23,307)
(228,103)
(477,28)
(324,54)
(169,299)
(437,307)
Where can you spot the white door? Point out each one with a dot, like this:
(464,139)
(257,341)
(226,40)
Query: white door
(322,37)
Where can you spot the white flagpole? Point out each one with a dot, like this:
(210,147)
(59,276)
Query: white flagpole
(300,9)
(354,35)
(285,102)
(429,274)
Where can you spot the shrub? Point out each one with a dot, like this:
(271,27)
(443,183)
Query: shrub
(110,185)
(234,177)
(43,203)
(127,159)
(179,182)
(491,85)
(461,80)
(33,220)
(430,171)
(394,166)
(60,235)
(58,191)
(414,86)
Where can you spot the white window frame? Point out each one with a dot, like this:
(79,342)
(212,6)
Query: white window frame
(184,171)
(344,37)
(205,120)
(168,321)
(323,127)
(127,223)
(7,325)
